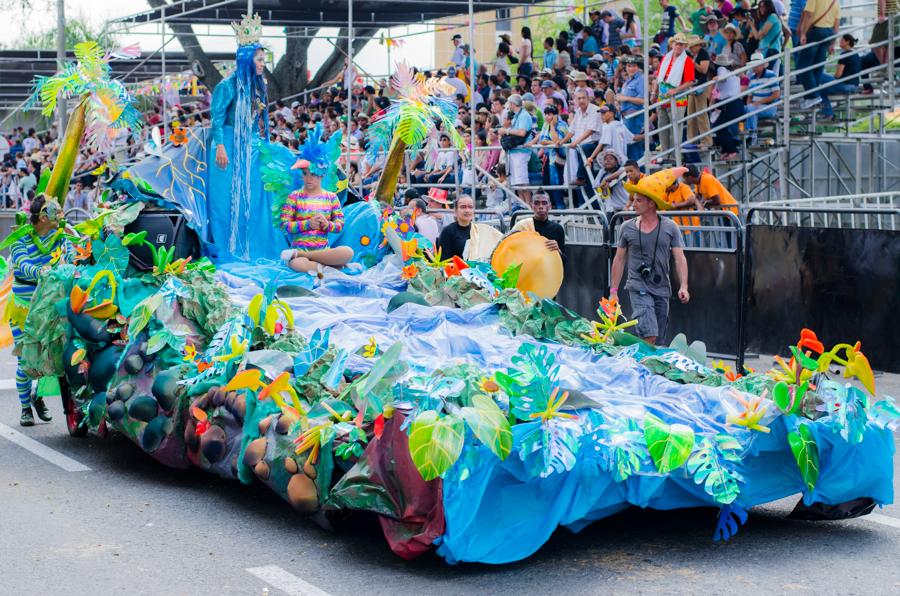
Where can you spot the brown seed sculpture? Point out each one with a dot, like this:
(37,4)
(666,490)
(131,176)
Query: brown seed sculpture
(302,495)
(254,452)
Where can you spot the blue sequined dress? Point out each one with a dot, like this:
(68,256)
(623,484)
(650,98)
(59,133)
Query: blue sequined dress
(238,229)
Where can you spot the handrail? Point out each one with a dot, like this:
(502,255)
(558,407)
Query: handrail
(895,194)
(784,98)
(878,214)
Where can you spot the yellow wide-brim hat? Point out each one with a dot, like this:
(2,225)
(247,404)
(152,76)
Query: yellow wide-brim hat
(654,186)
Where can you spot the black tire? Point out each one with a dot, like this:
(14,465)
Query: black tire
(74,422)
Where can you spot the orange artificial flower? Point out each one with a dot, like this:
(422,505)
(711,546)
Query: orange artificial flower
(83,253)
(178,136)
(409,272)
(809,340)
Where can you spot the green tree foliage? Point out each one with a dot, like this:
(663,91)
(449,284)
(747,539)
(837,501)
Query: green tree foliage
(77,31)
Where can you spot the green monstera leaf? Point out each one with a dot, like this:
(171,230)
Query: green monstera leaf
(708,465)
(669,444)
(806,452)
(488,423)
(111,254)
(435,443)
(531,382)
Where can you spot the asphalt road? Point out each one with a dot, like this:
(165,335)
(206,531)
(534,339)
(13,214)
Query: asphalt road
(130,525)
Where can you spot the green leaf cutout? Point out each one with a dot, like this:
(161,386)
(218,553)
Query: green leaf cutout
(380,369)
(142,313)
(806,452)
(489,425)
(804,360)
(708,467)
(435,443)
(669,445)
(789,398)
(111,254)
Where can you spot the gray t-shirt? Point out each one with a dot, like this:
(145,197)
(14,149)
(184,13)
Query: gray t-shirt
(640,248)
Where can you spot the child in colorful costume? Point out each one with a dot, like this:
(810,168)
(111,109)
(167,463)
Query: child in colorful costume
(311,213)
(33,249)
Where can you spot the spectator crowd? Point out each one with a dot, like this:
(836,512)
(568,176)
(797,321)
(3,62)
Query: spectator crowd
(564,114)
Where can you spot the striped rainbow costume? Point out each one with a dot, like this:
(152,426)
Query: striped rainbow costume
(296,214)
(27,262)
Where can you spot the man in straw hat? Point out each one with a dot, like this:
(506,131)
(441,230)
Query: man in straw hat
(644,245)
(675,75)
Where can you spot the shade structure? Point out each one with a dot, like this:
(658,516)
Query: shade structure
(319,13)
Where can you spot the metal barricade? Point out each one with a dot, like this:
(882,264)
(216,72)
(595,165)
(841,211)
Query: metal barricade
(483,216)
(832,270)
(583,227)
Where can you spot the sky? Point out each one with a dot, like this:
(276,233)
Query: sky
(417,50)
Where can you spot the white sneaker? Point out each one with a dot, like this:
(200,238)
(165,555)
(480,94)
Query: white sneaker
(809,103)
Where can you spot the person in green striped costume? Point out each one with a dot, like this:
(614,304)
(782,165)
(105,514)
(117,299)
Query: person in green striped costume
(33,253)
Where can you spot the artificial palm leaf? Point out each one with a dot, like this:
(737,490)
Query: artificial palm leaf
(406,124)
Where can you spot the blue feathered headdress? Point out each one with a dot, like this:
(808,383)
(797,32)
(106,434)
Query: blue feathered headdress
(322,156)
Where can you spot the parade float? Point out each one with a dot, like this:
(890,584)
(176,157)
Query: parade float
(472,416)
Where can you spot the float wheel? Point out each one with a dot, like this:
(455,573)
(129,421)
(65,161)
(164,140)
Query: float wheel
(73,415)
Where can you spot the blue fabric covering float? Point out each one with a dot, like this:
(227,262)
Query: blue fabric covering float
(498,512)
(174,177)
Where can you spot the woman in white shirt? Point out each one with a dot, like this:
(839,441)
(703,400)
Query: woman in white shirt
(502,61)
(564,59)
(526,53)
(630,32)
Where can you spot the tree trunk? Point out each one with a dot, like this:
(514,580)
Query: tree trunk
(290,76)
(61,176)
(390,174)
(335,61)
(192,50)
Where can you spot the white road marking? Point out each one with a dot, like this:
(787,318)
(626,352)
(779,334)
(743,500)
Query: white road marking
(54,457)
(7,384)
(884,520)
(286,582)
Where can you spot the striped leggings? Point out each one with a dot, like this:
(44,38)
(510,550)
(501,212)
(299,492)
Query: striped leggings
(23,382)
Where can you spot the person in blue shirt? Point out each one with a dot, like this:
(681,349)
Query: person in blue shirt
(764,95)
(589,47)
(768,32)
(550,54)
(519,155)
(715,41)
(552,154)
(631,103)
(847,70)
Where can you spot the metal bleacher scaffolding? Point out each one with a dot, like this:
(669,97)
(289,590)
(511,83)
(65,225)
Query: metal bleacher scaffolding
(800,154)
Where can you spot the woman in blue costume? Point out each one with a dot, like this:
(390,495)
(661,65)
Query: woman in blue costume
(238,206)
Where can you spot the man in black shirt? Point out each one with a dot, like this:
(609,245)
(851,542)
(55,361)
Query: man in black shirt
(698,124)
(454,236)
(552,231)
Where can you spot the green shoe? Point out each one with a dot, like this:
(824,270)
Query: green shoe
(27,418)
(41,409)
